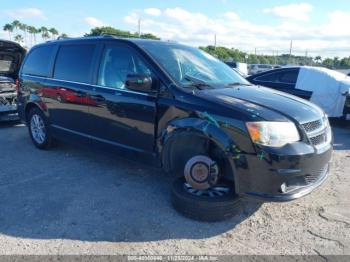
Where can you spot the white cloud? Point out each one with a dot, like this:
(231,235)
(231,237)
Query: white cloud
(293,11)
(231,15)
(194,28)
(26,13)
(153,11)
(94,22)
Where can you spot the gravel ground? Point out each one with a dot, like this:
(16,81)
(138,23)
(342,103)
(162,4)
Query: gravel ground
(71,200)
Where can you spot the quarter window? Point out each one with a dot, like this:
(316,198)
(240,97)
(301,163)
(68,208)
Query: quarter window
(38,61)
(74,63)
(117,63)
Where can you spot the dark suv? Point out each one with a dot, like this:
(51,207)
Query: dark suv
(181,109)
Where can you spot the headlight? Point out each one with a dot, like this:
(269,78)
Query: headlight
(275,134)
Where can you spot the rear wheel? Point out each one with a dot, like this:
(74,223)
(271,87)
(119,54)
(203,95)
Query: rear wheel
(39,129)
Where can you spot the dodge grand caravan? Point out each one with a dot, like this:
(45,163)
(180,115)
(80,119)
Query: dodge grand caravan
(180,109)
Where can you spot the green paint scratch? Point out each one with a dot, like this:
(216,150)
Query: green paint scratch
(210,119)
(261,155)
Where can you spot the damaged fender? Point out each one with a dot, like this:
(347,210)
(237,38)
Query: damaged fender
(205,126)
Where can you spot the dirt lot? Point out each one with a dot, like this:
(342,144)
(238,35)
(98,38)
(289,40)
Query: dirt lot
(71,201)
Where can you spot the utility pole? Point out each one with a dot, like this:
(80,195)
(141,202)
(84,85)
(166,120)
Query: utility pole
(139,27)
(255,51)
(215,41)
(290,49)
(306,57)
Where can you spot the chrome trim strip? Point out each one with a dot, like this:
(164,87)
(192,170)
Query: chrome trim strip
(80,83)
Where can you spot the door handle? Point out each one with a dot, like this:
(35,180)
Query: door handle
(80,94)
(98,98)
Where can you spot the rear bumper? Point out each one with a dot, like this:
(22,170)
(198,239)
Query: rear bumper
(275,177)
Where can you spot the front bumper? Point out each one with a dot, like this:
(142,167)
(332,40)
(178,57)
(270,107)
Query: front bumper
(283,174)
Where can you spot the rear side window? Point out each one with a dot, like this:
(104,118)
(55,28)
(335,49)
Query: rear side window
(286,77)
(38,61)
(74,63)
(289,77)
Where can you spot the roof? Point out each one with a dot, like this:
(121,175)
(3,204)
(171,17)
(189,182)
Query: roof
(138,41)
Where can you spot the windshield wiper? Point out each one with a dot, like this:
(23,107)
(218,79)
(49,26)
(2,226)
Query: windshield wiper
(196,82)
(238,84)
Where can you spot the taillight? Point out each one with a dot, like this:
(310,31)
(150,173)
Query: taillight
(17,86)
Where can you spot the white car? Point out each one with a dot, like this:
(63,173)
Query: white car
(326,88)
(241,68)
(258,68)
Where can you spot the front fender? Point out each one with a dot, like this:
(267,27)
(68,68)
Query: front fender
(203,127)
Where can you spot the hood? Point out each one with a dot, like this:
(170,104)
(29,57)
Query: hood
(264,103)
(11,57)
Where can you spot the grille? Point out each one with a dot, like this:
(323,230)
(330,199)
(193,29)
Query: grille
(318,140)
(312,126)
(312,178)
(316,132)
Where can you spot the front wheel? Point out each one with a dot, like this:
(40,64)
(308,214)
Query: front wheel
(214,204)
(39,129)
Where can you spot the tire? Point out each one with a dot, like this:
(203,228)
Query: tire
(203,208)
(35,115)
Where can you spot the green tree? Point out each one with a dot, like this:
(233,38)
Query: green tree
(19,38)
(108,30)
(44,33)
(8,28)
(31,31)
(15,25)
(53,32)
(23,28)
(328,62)
(318,59)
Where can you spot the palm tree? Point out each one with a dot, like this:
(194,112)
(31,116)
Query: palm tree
(9,29)
(44,33)
(24,28)
(37,31)
(15,25)
(318,59)
(53,32)
(31,31)
(63,35)
(19,38)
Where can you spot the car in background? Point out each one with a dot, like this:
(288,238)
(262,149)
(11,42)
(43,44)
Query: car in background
(11,56)
(327,88)
(241,68)
(258,68)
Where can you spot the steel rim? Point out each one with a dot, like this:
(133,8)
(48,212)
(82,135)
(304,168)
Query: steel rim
(37,127)
(216,191)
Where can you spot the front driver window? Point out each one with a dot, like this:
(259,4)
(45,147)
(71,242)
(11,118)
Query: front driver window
(116,64)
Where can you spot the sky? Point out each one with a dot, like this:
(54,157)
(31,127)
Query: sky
(265,27)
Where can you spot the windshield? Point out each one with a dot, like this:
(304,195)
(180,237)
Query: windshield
(188,65)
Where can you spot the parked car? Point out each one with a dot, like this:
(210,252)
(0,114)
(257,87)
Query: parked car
(183,110)
(326,88)
(11,56)
(258,68)
(242,68)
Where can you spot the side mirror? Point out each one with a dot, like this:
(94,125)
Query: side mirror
(139,82)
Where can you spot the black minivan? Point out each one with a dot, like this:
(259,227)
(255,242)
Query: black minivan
(181,109)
